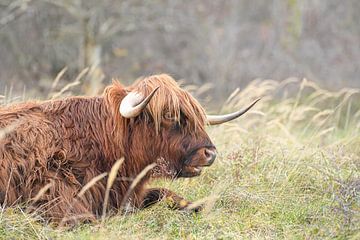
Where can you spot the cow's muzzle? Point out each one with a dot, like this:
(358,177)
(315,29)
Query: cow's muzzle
(197,160)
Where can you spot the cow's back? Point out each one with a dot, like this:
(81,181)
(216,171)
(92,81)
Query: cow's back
(26,141)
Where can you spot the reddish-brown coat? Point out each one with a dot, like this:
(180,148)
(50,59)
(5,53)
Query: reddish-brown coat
(70,141)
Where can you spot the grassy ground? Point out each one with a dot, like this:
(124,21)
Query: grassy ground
(288,170)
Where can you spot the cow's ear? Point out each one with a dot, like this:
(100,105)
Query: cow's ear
(134,103)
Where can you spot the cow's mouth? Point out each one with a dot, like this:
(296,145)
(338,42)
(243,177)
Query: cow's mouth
(196,160)
(190,171)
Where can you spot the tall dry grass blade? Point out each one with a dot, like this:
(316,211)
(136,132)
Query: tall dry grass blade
(320,92)
(300,113)
(135,182)
(357,114)
(311,84)
(112,176)
(72,84)
(297,100)
(286,131)
(325,113)
(255,90)
(43,209)
(42,191)
(348,112)
(81,74)
(23,95)
(10,92)
(231,100)
(288,81)
(203,89)
(232,95)
(348,93)
(91,183)
(326,131)
(58,77)
(191,88)
(29,222)
(64,89)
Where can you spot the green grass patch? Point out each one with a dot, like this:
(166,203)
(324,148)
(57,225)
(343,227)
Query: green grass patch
(288,171)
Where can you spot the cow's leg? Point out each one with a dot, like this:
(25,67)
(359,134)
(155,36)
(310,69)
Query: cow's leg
(60,205)
(71,212)
(174,201)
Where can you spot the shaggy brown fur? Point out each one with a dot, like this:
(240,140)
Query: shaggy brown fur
(70,141)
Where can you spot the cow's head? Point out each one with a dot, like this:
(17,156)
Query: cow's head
(172,124)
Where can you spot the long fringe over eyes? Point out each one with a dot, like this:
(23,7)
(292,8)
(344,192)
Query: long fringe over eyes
(170,100)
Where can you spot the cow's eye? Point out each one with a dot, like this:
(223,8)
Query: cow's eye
(168,116)
(176,126)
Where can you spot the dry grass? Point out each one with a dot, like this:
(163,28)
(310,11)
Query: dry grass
(110,181)
(288,169)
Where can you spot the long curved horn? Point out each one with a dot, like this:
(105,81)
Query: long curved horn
(218,119)
(133,104)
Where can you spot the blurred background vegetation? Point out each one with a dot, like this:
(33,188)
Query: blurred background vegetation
(225,44)
(289,169)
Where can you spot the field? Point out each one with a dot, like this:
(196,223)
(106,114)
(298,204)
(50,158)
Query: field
(289,169)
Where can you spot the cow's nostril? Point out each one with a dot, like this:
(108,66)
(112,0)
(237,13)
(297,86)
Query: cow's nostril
(207,153)
(210,156)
